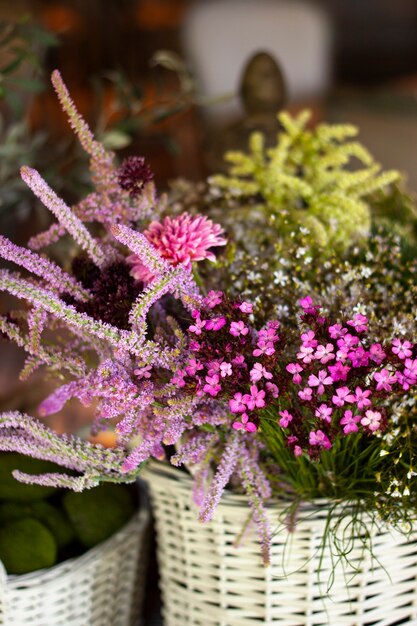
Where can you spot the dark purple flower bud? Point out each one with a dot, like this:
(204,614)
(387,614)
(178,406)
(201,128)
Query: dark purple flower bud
(133,174)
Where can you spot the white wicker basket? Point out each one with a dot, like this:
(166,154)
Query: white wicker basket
(103,587)
(207,581)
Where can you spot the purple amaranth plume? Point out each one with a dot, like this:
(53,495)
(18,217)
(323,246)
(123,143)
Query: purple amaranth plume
(124,340)
(36,323)
(225,469)
(250,482)
(103,170)
(64,214)
(43,268)
(108,203)
(46,355)
(94,464)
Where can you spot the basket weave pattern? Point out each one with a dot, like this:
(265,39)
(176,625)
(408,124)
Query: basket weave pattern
(207,581)
(103,587)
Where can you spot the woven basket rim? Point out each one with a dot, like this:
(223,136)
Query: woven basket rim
(140,518)
(229,498)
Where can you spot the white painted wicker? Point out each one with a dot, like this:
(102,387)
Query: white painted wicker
(207,581)
(103,587)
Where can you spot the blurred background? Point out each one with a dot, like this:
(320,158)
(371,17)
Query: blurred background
(180,82)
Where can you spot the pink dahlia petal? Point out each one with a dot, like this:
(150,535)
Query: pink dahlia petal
(184,239)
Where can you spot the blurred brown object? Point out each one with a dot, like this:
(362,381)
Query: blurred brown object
(156,14)
(262,92)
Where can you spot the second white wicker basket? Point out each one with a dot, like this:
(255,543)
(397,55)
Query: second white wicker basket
(103,587)
(207,581)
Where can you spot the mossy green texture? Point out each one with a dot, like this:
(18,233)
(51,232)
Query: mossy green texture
(98,513)
(12,489)
(26,545)
(307,180)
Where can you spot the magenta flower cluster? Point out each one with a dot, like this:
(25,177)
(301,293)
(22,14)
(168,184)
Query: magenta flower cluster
(332,381)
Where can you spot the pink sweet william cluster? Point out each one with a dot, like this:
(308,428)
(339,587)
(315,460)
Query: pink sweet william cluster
(329,381)
(341,381)
(230,360)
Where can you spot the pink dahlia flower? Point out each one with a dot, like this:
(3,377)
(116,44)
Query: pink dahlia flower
(180,240)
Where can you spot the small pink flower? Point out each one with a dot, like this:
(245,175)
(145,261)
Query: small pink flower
(212,387)
(320,381)
(305,354)
(349,422)
(237,404)
(258,371)
(342,395)
(213,298)
(307,304)
(239,360)
(238,328)
(376,353)
(250,427)
(246,307)
(144,372)
(359,323)
(318,438)
(385,380)
(225,370)
(272,389)
(362,398)
(264,347)
(298,451)
(216,323)
(178,379)
(295,368)
(372,420)
(308,339)
(339,371)
(198,326)
(324,353)
(306,394)
(255,399)
(193,367)
(359,357)
(403,349)
(408,377)
(286,418)
(348,341)
(213,367)
(268,334)
(337,330)
(324,412)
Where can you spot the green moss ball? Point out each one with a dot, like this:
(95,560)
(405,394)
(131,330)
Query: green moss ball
(96,514)
(26,545)
(12,489)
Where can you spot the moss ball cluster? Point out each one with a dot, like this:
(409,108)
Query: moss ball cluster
(41,526)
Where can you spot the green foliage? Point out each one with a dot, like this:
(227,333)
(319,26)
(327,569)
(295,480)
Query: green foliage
(20,46)
(26,545)
(396,210)
(306,181)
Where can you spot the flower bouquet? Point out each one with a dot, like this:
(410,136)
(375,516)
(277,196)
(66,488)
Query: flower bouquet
(282,375)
